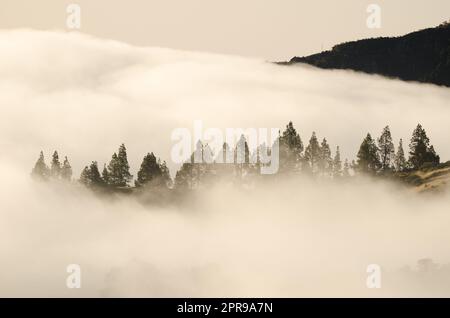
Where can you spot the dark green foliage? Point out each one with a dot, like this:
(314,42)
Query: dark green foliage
(386,150)
(85,176)
(422,56)
(119,169)
(124,166)
(115,178)
(105,175)
(90,176)
(400,161)
(420,150)
(165,173)
(368,160)
(325,164)
(95,177)
(153,172)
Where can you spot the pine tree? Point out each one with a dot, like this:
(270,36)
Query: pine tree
(184,177)
(90,176)
(432,157)
(115,178)
(291,148)
(55,169)
(165,174)
(292,139)
(191,172)
(40,170)
(421,151)
(337,163)
(400,161)
(85,177)
(105,176)
(312,153)
(119,169)
(368,160)
(125,176)
(66,170)
(94,175)
(325,163)
(386,149)
(151,172)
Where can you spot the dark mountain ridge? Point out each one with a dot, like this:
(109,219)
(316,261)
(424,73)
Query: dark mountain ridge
(422,56)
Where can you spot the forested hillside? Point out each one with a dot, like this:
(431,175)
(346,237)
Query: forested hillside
(376,157)
(422,56)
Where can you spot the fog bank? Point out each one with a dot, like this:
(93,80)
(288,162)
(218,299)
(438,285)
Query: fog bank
(84,96)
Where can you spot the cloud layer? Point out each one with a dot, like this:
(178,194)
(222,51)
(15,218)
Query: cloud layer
(84,96)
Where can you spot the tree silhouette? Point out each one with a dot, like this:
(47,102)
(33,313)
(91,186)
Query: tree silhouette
(94,175)
(85,177)
(241,165)
(55,169)
(400,161)
(40,170)
(153,172)
(184,176)
(313,153)
(290,149)
(115,178)
(420,150)
(90,176)
(124,166)
(105,175)
(386,149)
(337,163)
(325,163)
(368,160)
(66,170)
(118,169)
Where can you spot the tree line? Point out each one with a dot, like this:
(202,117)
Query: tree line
(375,157)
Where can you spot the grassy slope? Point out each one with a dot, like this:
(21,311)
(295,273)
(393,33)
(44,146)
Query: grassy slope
(435,179)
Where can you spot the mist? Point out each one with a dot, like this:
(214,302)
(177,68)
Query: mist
(84,96)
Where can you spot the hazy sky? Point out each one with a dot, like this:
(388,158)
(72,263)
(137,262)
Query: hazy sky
(271,29)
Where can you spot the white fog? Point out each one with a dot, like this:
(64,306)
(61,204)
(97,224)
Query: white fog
(301,237)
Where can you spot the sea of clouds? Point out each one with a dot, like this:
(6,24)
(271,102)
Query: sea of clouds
(84,96)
